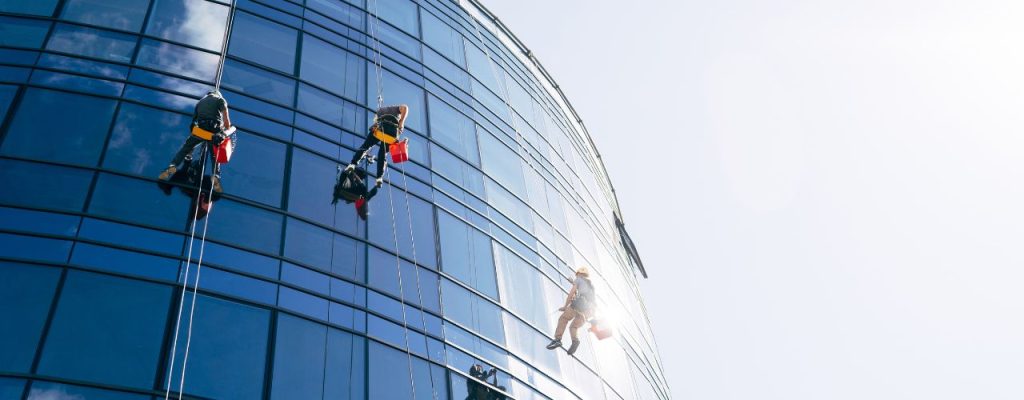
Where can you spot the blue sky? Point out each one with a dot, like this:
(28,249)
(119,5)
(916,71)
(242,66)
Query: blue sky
(832,208)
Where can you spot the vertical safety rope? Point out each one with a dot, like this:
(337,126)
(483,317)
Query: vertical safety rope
(378,75)
(202,246)
(184,281)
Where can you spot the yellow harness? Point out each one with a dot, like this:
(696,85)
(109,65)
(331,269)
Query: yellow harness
(384,137)
(201,133)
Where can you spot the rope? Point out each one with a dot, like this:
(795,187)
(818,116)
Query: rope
(202,246)
(419,289)
(184,283)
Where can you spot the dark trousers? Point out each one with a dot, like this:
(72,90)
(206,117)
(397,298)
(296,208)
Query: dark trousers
(187,148)
(381,152)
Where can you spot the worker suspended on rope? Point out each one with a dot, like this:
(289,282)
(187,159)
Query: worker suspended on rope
(352,187)
(579,305)
(211,122)
(388,125)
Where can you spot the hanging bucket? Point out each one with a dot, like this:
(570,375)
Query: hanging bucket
(222,153)
(399,151)
(600,329)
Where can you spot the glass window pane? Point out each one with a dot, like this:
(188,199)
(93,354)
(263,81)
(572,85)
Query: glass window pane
(196,22)
(345,375)
(339,11)
(148,204)
(44,185)
(49,390)
(76,137)
(312,185)
(35,7)
(178,60)
(118,14)
(77,83)
(11,388)
(264,42)
(26,292)
(308,244)
(534,293)
(453,130)
(256,171)
(332,68)
(144,139)
(7,93)
(443,38)
(34,248)
(97,336)
(422,224)
(503,164)
(466,254)
(20,32)
(246,226)
(91,42)
(390,379)
(298,359)
(258,83)
(401,13)
(226,360)
(37,221)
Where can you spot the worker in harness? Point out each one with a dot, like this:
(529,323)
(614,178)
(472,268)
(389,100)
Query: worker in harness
(210,122)
(579,305)
(388,124)
(351,187)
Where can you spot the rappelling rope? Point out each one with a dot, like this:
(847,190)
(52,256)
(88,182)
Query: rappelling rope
(202,246)
(378,74)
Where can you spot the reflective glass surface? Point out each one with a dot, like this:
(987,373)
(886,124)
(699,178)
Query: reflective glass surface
(465,250)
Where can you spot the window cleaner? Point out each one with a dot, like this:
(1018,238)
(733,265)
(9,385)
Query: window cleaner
(211,123)
(351,186)
(388,125)
(579,304)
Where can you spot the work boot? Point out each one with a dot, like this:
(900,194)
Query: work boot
(168,173)
(572,348)
(216,184)
(554,344)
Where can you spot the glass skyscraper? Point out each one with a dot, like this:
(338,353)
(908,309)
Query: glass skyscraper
(468,250)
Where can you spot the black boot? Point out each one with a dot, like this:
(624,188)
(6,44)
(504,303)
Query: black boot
(554,344)
(572,348)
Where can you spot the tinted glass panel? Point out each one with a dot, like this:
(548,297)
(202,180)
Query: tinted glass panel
(267,43)
(299,359)
(35,7)
(179,60)
(332,68)
(443,38)
(90,42)
(19,32)
(226,359)
(256,171)
(246,226)
(6,96)
(466,254)
(502,163)
(43,185)
(144,139)
(409,212)
(76,137)
(26,292)
(258,83)
(47,390)
(401,13)
(94,326)
(118,14)
(11,388)
(453,130)
(148,205)
(197,22)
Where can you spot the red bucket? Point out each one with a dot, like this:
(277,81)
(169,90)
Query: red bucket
(399,151)
(600,329)
(222,153)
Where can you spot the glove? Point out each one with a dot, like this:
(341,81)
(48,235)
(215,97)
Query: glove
(219,138)
(380,181)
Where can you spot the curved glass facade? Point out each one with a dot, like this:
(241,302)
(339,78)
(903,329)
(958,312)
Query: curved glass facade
(468,249)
